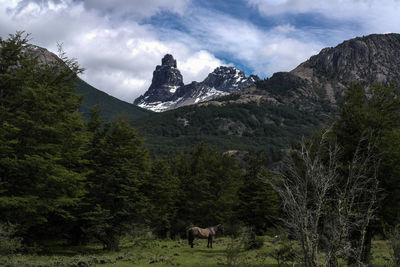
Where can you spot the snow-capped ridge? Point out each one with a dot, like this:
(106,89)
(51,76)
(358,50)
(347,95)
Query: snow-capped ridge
(167,90)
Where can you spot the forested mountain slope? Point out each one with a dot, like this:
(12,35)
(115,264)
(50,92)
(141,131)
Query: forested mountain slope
(273,115)
(109,105)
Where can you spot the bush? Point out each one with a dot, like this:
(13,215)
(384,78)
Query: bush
(9,244)
(250,240)
(283,250)
(247,240)
(233,252)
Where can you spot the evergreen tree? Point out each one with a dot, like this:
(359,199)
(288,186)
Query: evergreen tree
(209,183)
(117,165)
(40,141)
(162,190)
(258,205)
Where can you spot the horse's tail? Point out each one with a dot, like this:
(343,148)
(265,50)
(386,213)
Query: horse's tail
(190,237)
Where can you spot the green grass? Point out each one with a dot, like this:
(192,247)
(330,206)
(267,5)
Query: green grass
(141,252)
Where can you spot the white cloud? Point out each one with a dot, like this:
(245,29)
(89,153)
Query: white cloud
(133,8)
(123,61)
(120,51)
(198,65)
(372,16)
(285,53)
(264,51)
(119,56)
(138,8)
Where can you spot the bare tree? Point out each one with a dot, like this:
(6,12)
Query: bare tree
(323,200)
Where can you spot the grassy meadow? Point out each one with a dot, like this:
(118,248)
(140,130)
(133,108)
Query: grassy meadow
(153,252)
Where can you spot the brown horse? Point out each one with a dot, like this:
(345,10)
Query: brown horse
(203,233)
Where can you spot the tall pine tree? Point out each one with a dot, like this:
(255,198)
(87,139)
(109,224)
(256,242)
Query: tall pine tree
(118,165)
(209,183)
(162,189)
(258,205)
(40,141)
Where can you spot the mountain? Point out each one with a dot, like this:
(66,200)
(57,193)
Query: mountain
(109,105)
(166,79)
(368,59)
(269,116)
(275,113)
(167,90)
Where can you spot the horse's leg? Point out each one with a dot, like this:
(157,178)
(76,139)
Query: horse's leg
(209,244)
(190,238)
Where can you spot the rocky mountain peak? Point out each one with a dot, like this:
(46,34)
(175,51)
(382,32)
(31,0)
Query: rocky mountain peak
(166,79)
(167,90)
(43,55)
(168,60)
(228,79)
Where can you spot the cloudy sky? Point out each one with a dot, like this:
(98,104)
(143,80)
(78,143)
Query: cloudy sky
(119,42)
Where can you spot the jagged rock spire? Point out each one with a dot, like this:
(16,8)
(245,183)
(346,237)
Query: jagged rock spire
(168,60)
(166,79)
(167,90)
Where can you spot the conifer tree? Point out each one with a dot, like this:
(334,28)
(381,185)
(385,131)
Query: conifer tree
(41,141)
(118,166)
(258,205)
(209,183)
(162,190)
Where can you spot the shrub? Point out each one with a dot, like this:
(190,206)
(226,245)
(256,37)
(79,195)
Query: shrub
(249,240)
(283,250)
(233,253)
(9,244)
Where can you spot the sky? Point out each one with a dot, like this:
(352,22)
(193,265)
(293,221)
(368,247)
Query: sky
(119,42)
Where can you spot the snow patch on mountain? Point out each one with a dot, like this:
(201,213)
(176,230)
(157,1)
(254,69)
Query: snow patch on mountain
(167,90)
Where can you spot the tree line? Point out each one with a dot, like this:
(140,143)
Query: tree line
(341,187)
(66,180)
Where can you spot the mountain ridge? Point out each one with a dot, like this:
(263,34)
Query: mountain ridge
(367,59)
(274,113)
(167,90)
(109,106)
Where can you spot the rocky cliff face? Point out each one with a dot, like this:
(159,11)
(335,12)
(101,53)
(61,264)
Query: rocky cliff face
(43,55)
(228,79)
(319,83)
(372,58)
(166,79)
(168,92)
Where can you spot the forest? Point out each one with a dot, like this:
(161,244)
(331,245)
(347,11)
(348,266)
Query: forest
(66,181)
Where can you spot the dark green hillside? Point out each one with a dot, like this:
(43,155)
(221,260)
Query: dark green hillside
(245,127)
(109,105)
